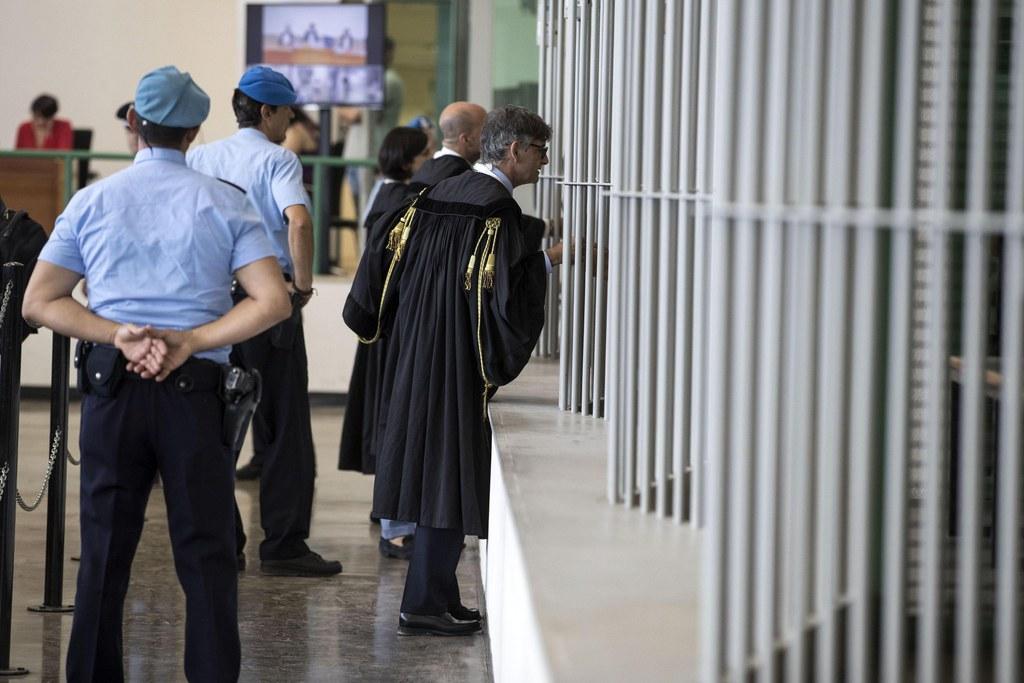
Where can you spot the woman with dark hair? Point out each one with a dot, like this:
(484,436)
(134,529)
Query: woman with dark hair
(44,131)
(401,154)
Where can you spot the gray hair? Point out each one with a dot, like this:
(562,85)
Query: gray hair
(506,125)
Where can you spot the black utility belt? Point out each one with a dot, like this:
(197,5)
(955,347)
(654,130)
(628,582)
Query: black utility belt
(102,371)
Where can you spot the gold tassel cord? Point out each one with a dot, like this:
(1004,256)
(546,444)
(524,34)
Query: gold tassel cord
(467,281)
(492,242)
(396,243)
(492,226)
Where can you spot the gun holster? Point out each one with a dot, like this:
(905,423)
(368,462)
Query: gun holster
(241,391)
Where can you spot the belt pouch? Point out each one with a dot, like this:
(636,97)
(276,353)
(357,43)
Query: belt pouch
(104,370)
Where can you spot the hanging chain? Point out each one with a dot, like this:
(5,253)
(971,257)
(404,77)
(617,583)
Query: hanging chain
(3,480)
(7,299)
(54,449)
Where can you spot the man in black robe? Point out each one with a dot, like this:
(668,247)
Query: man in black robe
(460,123)
(460,298)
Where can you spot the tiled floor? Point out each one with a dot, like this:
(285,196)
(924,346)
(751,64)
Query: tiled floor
(337,629)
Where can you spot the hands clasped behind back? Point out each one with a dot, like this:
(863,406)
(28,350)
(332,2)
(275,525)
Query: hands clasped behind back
(153,353)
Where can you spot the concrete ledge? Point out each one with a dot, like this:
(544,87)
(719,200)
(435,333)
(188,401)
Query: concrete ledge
(577,589)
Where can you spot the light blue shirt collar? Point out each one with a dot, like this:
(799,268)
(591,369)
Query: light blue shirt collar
(494,172)
(160,154)
(252,132)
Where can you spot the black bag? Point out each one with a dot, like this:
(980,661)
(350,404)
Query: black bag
(21,240)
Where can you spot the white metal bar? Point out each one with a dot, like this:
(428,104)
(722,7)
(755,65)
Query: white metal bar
(602,295)
(935,450)
(745,129)
(703,170)
(670,230)
(898,405)
(590,225)
(686,144)
(1008,542)
(649,13)
(864,428)
(975,338)
(1008,545)
(580,115)
(614,404)
(770,357)
(809,140)
(717,635)
(568,90)
(834,376)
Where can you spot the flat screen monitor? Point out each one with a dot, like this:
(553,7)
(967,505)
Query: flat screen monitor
(332,54)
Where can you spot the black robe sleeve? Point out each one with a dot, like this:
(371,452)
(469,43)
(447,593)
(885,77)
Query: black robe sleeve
(365,313)
(508,318)
(533,232)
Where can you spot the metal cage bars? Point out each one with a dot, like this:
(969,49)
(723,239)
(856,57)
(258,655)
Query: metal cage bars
(809,334)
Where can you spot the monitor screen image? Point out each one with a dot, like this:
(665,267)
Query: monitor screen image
(332,54)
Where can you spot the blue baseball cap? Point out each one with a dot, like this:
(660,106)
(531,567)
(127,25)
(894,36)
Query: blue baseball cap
(267,86)
(169,97)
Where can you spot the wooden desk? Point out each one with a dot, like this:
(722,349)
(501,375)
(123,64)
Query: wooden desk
(34,185)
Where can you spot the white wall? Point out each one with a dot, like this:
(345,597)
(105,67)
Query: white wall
(90,55)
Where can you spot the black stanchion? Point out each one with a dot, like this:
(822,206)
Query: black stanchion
(11,291)
(53,589)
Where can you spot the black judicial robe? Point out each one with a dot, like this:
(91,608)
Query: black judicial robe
(434,443)
(434,171)
(443,167)
(362,407)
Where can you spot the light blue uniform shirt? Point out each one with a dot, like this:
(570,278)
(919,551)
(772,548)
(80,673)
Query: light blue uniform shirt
(270,175)
(158,244)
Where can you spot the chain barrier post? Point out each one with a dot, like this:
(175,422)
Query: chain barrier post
(53,588)
(10,386)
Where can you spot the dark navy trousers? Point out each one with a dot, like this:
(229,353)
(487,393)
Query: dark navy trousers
(283,434)
(149,427)
(430,584)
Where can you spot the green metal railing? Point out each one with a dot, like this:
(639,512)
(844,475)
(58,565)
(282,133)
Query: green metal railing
(321,213)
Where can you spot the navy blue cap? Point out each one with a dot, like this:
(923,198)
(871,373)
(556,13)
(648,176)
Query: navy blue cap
(267,86)
(169,97)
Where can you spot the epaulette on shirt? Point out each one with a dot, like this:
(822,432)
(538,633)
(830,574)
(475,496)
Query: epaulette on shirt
(228,182)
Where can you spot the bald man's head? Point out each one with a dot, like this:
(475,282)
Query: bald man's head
(461,123)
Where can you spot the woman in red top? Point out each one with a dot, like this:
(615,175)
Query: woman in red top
(44,131)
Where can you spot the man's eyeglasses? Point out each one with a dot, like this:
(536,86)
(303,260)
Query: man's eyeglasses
(542,148)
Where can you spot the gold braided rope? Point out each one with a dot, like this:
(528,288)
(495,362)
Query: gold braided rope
(491,227)
(396,243)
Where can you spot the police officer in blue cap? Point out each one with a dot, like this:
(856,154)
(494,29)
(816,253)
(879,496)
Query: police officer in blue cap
(271,175)
(159,245)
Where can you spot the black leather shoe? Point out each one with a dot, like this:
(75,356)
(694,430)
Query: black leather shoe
(463,613)
(310,564)
(241,562)
(444,625)
(398,552)
(250,472)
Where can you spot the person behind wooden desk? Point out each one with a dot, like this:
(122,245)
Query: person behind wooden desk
(403,151)
(451,284)
(44,131)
